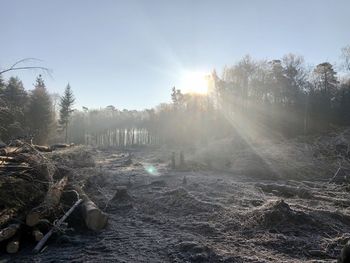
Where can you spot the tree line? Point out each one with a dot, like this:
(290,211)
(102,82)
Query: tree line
(284,95)
(281,97)
(256,98)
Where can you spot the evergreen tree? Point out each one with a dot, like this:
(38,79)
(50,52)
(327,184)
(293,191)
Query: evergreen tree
(40,112)
(325,79)
(66,104)
(14,99)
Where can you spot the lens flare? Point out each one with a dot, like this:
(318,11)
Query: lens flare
(150,169)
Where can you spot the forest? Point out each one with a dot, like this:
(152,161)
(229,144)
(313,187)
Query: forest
(284,97)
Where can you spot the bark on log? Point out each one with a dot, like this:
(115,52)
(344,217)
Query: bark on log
(94,218)
(60,146)
(9,232)
(42,148)
(50,203)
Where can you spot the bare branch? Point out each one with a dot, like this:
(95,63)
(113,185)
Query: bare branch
(14,66)
(24,60)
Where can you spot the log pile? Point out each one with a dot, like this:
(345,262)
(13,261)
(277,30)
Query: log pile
(30,196)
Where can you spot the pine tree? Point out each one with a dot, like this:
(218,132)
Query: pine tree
(40,112)
(66,104)
(325,79)
(14,99)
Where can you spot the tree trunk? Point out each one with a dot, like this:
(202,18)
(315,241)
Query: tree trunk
(66,137)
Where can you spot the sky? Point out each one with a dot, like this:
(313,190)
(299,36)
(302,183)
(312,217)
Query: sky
(131,53)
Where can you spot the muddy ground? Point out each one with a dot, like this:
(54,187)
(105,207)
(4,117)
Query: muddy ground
(194,215)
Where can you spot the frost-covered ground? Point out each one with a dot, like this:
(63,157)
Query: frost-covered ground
(197,215)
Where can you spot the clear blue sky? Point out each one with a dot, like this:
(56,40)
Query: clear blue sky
(130,53)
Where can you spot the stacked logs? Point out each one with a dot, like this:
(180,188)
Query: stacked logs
(30,198)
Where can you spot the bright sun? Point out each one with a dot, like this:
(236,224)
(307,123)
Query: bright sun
(194,82)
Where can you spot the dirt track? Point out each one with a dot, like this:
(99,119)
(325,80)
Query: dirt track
(207,217)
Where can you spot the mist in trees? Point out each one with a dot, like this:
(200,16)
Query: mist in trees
(274,98)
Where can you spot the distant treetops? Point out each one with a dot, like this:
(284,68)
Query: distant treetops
(31,114)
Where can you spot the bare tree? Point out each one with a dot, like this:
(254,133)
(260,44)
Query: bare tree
(17,66)
(345,55)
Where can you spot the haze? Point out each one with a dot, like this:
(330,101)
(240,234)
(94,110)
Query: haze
(131,53)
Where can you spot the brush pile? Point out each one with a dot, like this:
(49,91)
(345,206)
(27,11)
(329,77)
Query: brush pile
(33,195)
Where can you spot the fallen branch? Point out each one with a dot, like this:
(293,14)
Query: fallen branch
(48,234)
(42,148)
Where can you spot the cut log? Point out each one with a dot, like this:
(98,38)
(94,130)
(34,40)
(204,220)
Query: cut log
(94,218)
(60,146)
(9,232)
(13,245)
(50,203)
(42,148)
(37,234)
(48,234)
